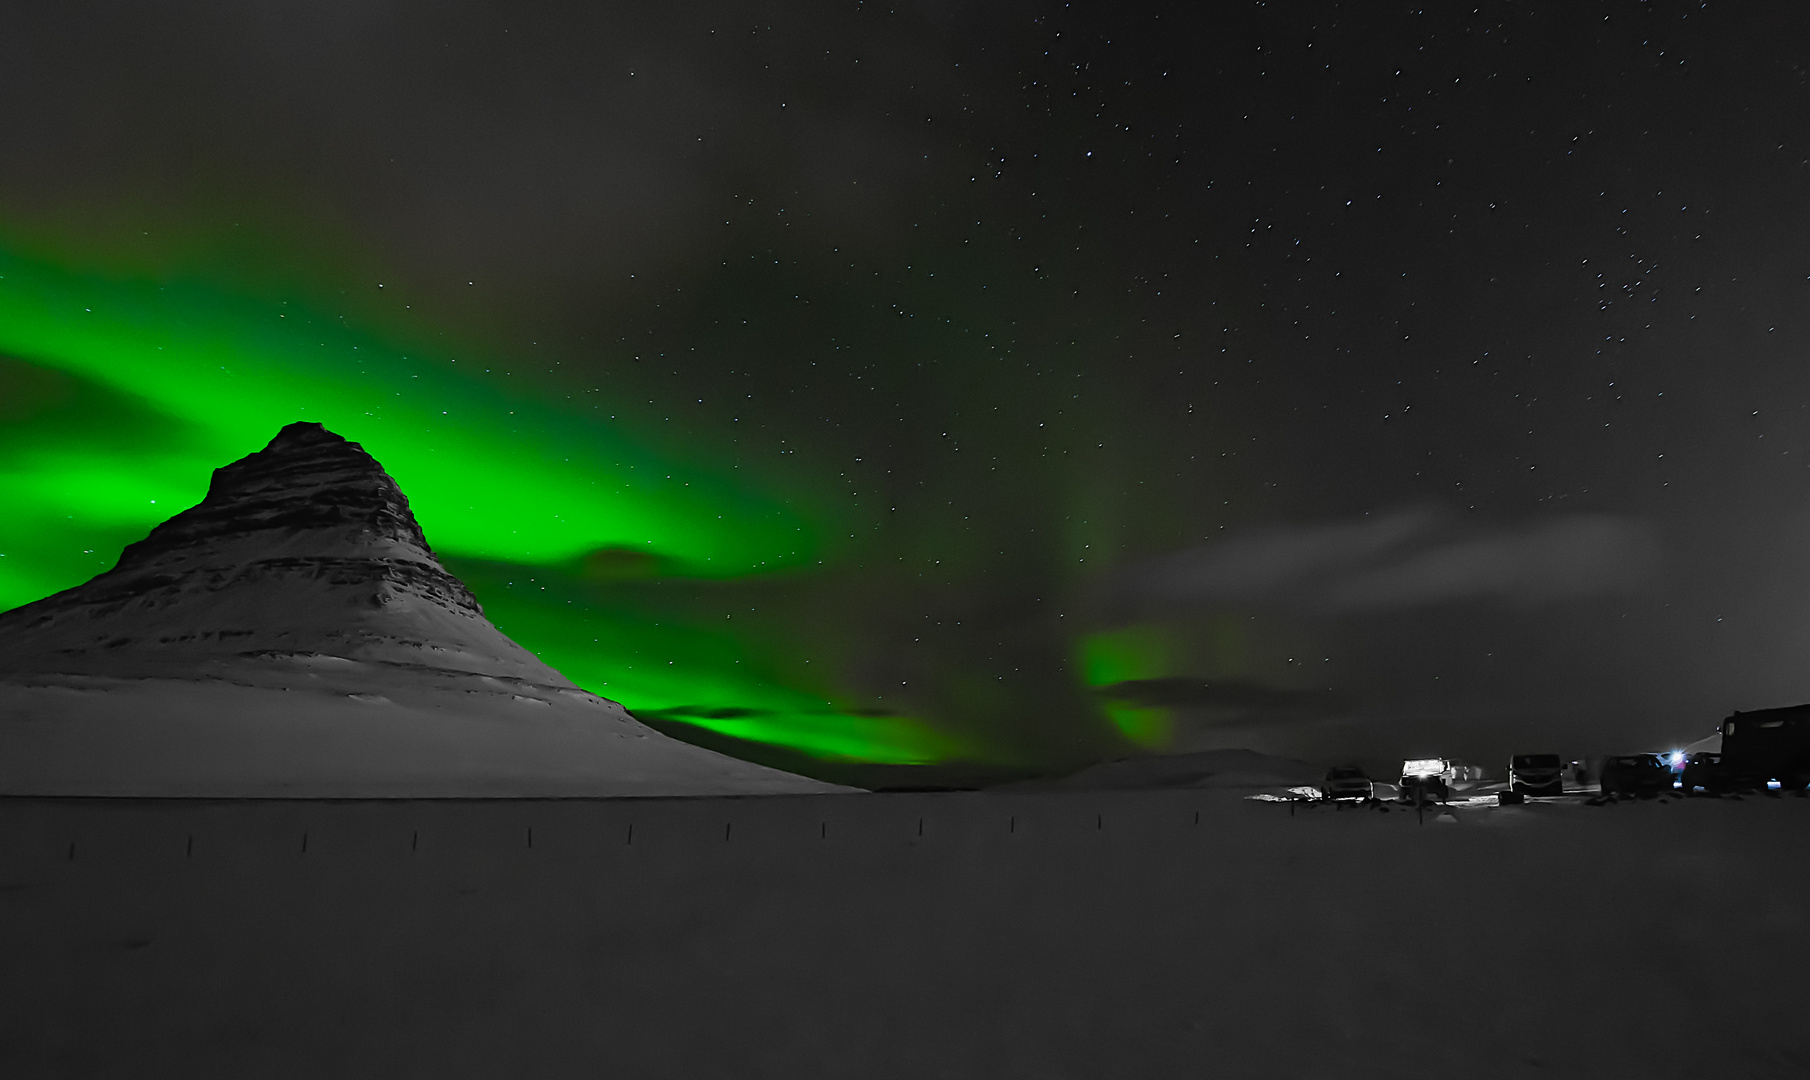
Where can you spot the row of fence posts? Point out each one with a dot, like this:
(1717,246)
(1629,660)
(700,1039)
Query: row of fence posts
(823,833)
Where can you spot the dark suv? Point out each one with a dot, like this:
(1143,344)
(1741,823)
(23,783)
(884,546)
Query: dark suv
(1536,774)
(1636,774)
(1703,770)
(1347,782)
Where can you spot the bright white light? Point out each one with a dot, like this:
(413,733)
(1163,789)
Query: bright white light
(1773,785)
(1677,759)
(1423,767)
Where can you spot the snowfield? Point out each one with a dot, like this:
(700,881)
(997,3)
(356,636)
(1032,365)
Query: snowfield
(358,729)
(1080,934)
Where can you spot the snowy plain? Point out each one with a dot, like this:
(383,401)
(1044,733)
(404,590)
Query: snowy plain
(1078,934)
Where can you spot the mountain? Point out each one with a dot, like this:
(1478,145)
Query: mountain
(293,634)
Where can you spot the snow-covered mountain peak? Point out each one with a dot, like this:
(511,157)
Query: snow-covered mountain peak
(306,546)
(293,634)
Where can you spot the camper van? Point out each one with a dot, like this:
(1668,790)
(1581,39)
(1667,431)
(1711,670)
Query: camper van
(1768,745)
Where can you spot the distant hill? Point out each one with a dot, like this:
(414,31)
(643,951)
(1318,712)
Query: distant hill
(1207,769)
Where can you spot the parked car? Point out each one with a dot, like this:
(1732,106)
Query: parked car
(1347,782)
(1636,774)
(1703,770)
(1424,780)
(1536,774)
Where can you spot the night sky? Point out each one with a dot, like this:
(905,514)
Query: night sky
(1017,383)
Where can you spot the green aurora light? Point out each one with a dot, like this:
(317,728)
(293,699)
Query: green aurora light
(1141,651)
(120,395)
(491,473)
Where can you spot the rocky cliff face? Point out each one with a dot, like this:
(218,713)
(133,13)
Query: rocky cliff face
(306,546)
(308,483)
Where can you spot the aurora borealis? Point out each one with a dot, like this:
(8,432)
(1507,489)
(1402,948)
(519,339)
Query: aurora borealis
(1022,386)
(135,388)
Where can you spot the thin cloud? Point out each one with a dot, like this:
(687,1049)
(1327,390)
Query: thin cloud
(1407,559)
(1570,557)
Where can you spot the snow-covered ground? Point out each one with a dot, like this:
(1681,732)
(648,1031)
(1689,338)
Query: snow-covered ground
(333,727)
(1078,934)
